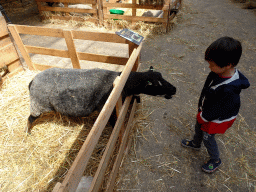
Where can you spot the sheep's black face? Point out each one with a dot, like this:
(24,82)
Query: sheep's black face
(157,86)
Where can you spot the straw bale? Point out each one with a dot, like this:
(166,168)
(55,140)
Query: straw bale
(36,162)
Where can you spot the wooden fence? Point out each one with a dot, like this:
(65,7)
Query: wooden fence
(167,7)
(76,170)
(69,36)
(10,60)
(94,11)
(101,10)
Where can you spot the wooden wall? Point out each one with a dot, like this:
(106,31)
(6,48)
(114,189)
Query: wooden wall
(9,58)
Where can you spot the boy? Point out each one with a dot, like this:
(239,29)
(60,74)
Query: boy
(219,102)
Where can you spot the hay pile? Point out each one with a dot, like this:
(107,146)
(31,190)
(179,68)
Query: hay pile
(36,162)
(140,27)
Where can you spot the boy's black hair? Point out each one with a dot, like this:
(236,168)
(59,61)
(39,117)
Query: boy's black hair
(224,51)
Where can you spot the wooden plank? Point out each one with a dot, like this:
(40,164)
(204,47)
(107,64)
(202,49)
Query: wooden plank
(56,188)
(47,51)
(134,10)
(131,18)
(5,41)
(99,36)
(120,154)
(100,12)
(42,31)
(119,105)
(81,55)
(41,67)
(66,5)
(3,27)
(68,10)
(99,175)
(119,102)
(73,18)
(14,65)
(102,58)
(166,19)
(134,6)
(69,1)
(75,172)
(39,7)
(17,70)
(8,54)
(135,67)
(71,49)
(131,47)
(20,45)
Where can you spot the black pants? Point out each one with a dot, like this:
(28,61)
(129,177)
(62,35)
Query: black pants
(209,141)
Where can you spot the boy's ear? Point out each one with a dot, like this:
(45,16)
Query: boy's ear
(229,66)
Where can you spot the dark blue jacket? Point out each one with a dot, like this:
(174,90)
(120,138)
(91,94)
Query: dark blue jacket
(219,102)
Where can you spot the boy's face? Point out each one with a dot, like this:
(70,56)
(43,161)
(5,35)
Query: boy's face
(218,70)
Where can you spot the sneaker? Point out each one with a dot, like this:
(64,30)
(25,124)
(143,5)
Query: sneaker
(189,144)
(211,165)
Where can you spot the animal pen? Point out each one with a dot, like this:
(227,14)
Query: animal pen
(120,134)
(100,10)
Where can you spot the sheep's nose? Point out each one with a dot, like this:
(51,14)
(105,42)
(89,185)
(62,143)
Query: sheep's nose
(174,91)
(167,96)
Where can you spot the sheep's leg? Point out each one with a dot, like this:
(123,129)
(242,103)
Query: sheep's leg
(31,119)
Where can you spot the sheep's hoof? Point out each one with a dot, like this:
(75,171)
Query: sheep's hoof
(28,128)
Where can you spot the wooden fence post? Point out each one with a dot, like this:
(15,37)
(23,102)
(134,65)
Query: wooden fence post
(100,12)
(21,46)
(131,47)
(134,10)
(71,49)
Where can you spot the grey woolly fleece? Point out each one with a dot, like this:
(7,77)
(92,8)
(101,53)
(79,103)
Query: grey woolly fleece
(68,94)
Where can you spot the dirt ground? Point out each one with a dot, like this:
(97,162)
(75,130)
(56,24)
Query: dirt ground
(156,160)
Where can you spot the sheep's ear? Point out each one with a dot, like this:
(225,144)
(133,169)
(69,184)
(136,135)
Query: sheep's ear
(151,68)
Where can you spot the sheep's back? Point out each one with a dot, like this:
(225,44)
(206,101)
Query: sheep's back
(74,92)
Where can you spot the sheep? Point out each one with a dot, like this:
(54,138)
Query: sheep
(53,4)
(50,4)
(80,6)
(153,13)
(79,92)
(75,6)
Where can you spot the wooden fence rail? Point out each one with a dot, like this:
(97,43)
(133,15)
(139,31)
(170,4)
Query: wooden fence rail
(71,53)
(166,8)
(100,10)
(76,170)
(94,11)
